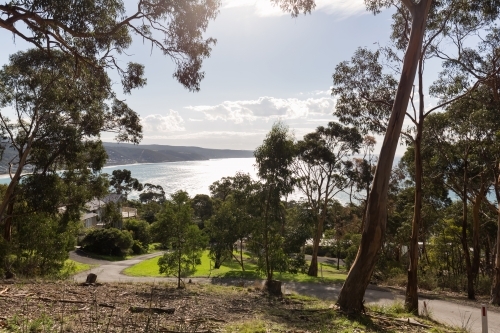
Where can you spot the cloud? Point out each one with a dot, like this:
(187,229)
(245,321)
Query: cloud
(343,8)
(157,123)
(267,108)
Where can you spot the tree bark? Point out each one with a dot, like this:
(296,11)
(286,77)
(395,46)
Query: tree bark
(495,289)
(475,230)
(353,290)
(411,297)
(465,246)
(313,268)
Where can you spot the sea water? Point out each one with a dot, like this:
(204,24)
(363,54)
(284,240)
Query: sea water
(194,177)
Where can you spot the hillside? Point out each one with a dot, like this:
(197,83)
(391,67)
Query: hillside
(120,153)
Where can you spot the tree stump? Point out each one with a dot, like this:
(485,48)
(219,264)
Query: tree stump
(274,287)
(91,278)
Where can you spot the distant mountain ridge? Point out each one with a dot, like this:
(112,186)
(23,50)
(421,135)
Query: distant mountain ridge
(123,153)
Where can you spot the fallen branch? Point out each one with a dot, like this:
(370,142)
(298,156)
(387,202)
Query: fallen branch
(138,309)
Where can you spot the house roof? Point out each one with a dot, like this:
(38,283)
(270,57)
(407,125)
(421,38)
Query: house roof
(88,216)
(96,203)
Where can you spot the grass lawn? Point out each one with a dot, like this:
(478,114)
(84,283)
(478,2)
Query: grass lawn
(72,267)
(233,270)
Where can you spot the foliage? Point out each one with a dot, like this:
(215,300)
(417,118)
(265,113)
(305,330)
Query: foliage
(111,215)
(220,227)
(58,116)
(181,235)
(140,233)
(122,182)
(273,160)
(40,244)
(95,33)
(152,193)
(108,241)
(202,208)
(322,169)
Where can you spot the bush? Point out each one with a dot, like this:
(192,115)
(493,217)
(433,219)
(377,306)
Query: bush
(138,248)
(140,231)
(108,241)
(40,245)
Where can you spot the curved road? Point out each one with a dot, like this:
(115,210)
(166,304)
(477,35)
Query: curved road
(447,312)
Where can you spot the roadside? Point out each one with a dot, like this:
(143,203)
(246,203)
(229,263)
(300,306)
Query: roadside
(459,314)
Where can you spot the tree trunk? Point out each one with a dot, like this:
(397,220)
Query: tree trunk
(241,255)
(495,289)
(352,293)
(475,230)
(465,246)
(411,298)
(266,237)
(313,268)
(8,195)
(179,267)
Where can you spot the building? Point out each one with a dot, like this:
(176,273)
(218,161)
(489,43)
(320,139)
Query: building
(94,210)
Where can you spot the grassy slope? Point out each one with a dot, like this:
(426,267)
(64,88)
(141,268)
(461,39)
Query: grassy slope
(73,267)
(233,269)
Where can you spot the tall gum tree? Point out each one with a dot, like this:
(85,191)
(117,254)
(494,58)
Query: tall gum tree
(321,168)
(273,159)
(352,293)
(57,119)
(365,91)
(482,66)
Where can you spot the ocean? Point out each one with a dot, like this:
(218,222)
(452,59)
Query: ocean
(194,177)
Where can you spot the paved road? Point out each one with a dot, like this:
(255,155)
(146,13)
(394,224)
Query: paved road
(447,312)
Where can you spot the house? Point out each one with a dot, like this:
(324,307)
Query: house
(94,210)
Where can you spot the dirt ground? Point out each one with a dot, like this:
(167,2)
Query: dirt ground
(70,307)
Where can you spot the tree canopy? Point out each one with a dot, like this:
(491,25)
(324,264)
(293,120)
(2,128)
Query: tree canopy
(97,32)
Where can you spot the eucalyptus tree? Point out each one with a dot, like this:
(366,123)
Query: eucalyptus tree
(463,139)
(416,15)
(367,103)
(273,161)
(97,32)
(122,182)
(203,208)
(321,170)
(57,117)
(152,193)
(177,229)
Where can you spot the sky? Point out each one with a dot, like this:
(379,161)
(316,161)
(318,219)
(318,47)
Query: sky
(266,66)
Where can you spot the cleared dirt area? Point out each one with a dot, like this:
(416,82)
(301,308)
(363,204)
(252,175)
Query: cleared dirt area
(202,308)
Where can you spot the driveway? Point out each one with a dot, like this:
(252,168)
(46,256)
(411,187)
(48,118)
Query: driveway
(446,312)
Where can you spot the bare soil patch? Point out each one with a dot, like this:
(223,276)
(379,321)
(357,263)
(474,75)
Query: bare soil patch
(202,308)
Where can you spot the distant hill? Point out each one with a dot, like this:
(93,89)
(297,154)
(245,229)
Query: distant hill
(123,153)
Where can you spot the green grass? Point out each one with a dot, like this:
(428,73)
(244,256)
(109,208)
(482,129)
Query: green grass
(232,269)
(72,267)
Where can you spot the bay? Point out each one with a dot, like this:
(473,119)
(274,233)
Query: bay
(194,177)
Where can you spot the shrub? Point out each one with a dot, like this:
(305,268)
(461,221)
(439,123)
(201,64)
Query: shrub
(109,241)
(140,231)
(40,245)
(138,248)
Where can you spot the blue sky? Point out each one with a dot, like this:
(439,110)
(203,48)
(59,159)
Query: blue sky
(265,66)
